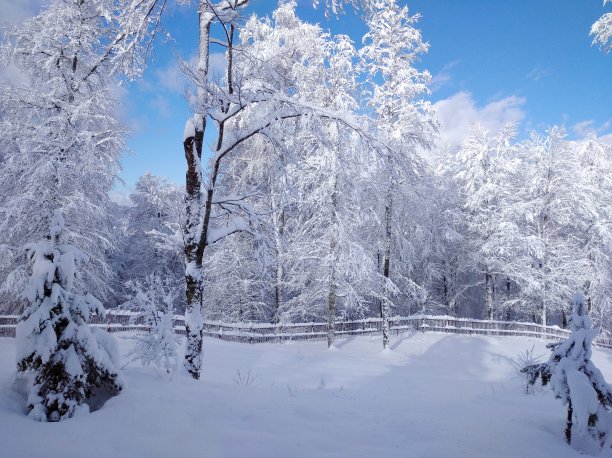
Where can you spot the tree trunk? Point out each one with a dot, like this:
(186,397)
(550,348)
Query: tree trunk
(568,428)
(193,271)
(331,313)
(587,293)
(543,310)
(589,303)
(194,252)
(384,309)
(489,294)
(279,266)
(331,297)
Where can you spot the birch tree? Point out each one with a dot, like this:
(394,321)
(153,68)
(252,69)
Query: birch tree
(246,103)
(404,120)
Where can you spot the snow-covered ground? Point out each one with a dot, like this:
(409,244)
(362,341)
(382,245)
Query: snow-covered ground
(432,395)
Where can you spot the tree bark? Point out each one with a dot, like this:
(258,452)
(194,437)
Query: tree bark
(489,294)
(331,311)
(568,427)
(384,309)
(193,271)
(543,310)
(195,241)
(331,296)
(279,265)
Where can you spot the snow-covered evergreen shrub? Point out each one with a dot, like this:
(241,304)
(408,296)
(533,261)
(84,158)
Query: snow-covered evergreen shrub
(579,384)
(71,362)
(152,301)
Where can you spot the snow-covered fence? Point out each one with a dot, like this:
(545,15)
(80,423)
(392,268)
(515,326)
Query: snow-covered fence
(264,332)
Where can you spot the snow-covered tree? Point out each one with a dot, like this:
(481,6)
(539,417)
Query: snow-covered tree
(594,173)
(554,204)
(152,303)
(70,361)
(330,262)
(602,31)
(238,289)
(254,97)
(151,241)
(61,136)
(484,171)
(404,120)
(579,384)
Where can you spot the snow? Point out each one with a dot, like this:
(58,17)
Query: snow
(430,395)
(584,399)
(189,131)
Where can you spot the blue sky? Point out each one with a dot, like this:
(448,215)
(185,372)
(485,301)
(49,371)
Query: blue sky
(492,61)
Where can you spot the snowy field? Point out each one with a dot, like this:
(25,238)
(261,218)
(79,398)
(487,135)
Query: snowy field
(432,395)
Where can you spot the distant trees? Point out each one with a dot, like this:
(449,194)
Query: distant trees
(554,201)
(484,171)
(149,237)
(534,218)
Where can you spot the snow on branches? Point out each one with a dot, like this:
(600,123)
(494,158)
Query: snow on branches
(152,304)
(602,31)
(61,136)
(70,361)
(579,385)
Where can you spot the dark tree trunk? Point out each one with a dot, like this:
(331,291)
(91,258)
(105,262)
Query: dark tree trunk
(489,290)
(568,428)
(279,266)
(331,297)
(384,310)
(193,272)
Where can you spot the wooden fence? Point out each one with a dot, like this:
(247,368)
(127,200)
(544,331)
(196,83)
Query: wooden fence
(117,321)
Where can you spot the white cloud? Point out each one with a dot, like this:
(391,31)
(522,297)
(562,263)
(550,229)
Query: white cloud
(537,73)
(121,198)
(584,128)
(18,10)
(174,80)
(443,77)
(217,65)
(459,112)
(160,104)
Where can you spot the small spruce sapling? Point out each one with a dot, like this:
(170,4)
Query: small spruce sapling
(152,301)
(579,384)
(70,361)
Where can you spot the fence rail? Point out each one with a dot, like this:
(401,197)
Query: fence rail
(117,321)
